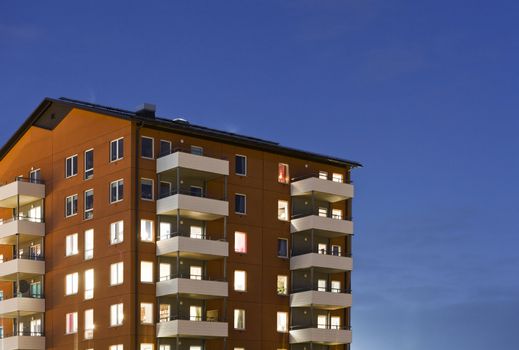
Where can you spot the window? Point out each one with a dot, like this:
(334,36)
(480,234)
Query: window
(147,147)
(116,191)
(240,165)
(116,347)
(282,285)
(164,312)
(89,284)
(117,149)
(146,230)
(89,324)
(116,315)
(322,248)
(240,203)
(146,272)
(323,175)
(283,210)
(89,204)
(146,346)
(196,232)
(71,283)
(71,245)
(164,189)
(322,321)
(196,191)
(240,280)
(240,242)
(166,347)
(165,148)
(116,273)
(323,212)
(282,322)
(146,313)
(89,164)
(337,214)
(282,247)
(116,232)
(336,250)
(321,285)
(283,176)
(337,177)
(35,176)
(71,323)
(239,319)
(71,205)
(71,166)
(195,272)
(165,230)
(164,271)
(89,244)
(147,189)
(199,151)
(195,313)
(335,322)
(336,287)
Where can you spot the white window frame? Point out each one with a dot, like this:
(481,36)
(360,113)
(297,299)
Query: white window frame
(150,306)
(74,323)
(117,158)
(245,202)
(87,170)
(73,208)
(280,206)
(144,224)
(89,323)
(337,177)
(117,273)
(73,171)
(282,290)
(277,248)
(120,195)
(246,164)
(116,315)
(144,278)
(89,289)
(71,244)
(244,234)
(152,147)
(85,210)
(115,234)
(282,328)
(237,276)
(323,175)
(89,244)
(170,147)
(72,283)
(152,189)
(237,312)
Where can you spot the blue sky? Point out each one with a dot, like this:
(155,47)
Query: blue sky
(423,93)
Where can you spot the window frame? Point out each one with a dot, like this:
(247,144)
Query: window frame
(152,189)
(284,328)
(119,193)
(75,327)
(286,179)
(73,168)
(278,250)
(88,214)
(152,229)
(151,313)
(281,201)
(119,273)
(162,141)
(88,293)
(119,313)
(235,274)
(245,164)
(152,147)
(244,234)
(75,244)
(237,313)
(151,278)
(115,233)
(236,195)
(88,170)
(74,280)
(74,205)
(89,237)
(119,151)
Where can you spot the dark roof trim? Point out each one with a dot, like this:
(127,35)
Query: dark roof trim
(63,106)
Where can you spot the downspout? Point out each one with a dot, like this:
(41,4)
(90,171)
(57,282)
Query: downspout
(137,234)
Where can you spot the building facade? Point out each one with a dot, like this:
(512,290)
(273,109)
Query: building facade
(120,230)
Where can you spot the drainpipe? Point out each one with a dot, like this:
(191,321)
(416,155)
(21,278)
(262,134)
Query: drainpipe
(136,235)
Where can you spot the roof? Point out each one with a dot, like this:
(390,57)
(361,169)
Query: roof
(50,112)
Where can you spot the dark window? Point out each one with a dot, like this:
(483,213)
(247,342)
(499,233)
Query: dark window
(240,203)
(282,248)
(35,176)
(71,205)
(89,164)
(241,165)
(164,189)
(71,166)
(165,148)
(146,147)
(196,191)
(116,191)
(197,150)
(89,204)
(147,189)
(116,149)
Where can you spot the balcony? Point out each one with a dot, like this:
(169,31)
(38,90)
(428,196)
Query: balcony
(26,341)
(192,329)
(21,306)
(326,300)
(21,269)
(188,247)
(192,206)
(26,228)
(194,162)
(327,262)
(321,335)
(194,287)
(322,225)
(321,189)
(21,192)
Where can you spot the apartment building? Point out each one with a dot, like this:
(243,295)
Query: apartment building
(120,230)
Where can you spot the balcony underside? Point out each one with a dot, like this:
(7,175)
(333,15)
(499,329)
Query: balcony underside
(10,308)
(192,248)
(323,226)
(22,343)
(194,162)
(26,229)
(321,189)
(198,208)
(19,193)
(192,288)
(321,300)
(189,329)
(320,336)
(21,268)
(326,263)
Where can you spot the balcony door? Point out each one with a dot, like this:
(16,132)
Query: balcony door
(196,232)
(36,327)
(195,313)
(35,214)
(195,272)
(322,321)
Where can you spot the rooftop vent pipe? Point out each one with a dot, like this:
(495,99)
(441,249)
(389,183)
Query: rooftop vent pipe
(146,110)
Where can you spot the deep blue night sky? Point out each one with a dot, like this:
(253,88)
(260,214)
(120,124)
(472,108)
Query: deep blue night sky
(424,93)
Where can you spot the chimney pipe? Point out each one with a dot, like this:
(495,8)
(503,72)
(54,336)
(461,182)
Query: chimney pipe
(146,110)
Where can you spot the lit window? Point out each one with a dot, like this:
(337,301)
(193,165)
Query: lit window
(116,347)
(147,147)
(89,324)
(89,244)
(71,166)
(197,150)
(322,248)
(146,230)
(195,272)
(89,164)
(282,285)
(336,250)
(71,283)
(117,149)
(146,346)
(195,313)
(146,272)
(336,286)
(240,242)
(323,212)
(116,191)
(165,230)
(168,347)
(240,203)
(71,245)
(116,315)
(282,322)
(323,175)
(337,177)
(146,313)
(239,319)
(89,204)
(147,189)
(116,273)
(165,148)
(71,323)
(321,285)
(283,175)
(164,271)
(71,205)
(335,322)
(36,327)
(240,165)
(283,210)
(89,284)
(196,232)
(240,280)
(116,232)
(337,214)
(322,321)
(282,248)
(164,312)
